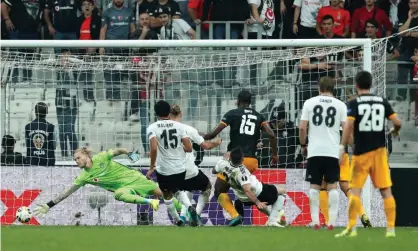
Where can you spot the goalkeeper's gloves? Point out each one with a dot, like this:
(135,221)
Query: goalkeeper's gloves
(133,157)
(41,210)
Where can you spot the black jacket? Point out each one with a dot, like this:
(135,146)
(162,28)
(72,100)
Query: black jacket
(229,10)
(95,25)
(40,139)
(12,159)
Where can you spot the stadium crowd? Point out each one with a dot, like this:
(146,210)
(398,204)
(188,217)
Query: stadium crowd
(188,19)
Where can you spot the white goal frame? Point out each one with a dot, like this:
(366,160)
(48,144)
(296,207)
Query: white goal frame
(365,44)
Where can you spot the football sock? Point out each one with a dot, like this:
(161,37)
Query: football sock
(333,206)
(353,209)
(361,208)
(202,200)
(182,197)
(323,205)
(172,209)
(390,211)
(314,205)
(226,204)
(127,197)
(277,206)
(189,195)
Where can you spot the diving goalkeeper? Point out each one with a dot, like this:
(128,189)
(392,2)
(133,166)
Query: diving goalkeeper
(101,170)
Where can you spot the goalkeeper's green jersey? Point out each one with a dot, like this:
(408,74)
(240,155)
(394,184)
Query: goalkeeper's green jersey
(107,173)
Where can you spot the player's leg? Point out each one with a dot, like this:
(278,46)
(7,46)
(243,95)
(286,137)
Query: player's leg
(274,196)
(332,175)
(129,195)
(314,175)
(361,165)
(345,175)
(380,175)
(221,189)
(323,201)
(167,186)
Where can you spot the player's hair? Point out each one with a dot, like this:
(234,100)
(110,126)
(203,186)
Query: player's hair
(244,97)
(175,110)
(236,156)
(327,17)
(364,80)
(41,110)
(372,22)
(326,84)
(85,150)
(162,108)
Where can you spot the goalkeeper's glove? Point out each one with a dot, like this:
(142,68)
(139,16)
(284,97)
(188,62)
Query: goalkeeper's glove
(133,157)
(41,210)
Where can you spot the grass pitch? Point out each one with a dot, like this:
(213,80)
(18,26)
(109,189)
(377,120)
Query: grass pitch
(150,238)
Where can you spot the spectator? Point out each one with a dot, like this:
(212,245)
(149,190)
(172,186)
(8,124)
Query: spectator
(231,10)
(22,22)
(370,11)
(174,29)
(308,13)
(262,18)
(195,9)
(143,6)
(287,139)
(88,24)
(341,18)
(315,68)
(64,16)
(371,31)
(117,24)
(284,13)
(9,156)
(409,41)
(171,5)
(66,103)
(40,137)
(139,95)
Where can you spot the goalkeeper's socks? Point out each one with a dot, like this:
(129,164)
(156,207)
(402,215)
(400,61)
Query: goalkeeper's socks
(353,208)
(323,205)
(182,197)
(390,211)
(202,200)
(333,206)
(172,210)
(226,204)
(361,208)
(177,204)
(314,205)
(275,209)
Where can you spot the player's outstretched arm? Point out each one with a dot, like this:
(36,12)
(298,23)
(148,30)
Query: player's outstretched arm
(208,145)
(396,124)
(42,209)
(119,151)
(251,196)
(272,137)
(215,132)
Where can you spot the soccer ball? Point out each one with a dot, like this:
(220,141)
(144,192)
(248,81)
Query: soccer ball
(23,214)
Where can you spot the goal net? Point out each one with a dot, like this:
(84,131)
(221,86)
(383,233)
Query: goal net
(106,101)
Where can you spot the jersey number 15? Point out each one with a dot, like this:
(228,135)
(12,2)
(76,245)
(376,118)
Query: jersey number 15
(248,124)
(170,138)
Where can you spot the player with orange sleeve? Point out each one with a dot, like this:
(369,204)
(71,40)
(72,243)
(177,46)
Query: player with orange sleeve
(366,119)
(341,18)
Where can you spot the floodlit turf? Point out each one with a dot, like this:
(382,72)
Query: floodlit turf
(149,238)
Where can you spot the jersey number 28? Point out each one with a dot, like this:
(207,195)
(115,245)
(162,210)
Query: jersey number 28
(247,124)
(170,138)
(373,117)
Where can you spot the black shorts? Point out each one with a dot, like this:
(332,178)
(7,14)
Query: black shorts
(171,183)
(322,168)
(198,183)
(269,194)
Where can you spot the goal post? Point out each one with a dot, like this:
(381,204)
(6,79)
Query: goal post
(202,76)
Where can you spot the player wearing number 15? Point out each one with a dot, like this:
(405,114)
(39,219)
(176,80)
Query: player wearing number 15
(325,114)
(367,115)
(168,146)
(246,124)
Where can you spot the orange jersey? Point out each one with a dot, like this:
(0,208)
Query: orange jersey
(341,18)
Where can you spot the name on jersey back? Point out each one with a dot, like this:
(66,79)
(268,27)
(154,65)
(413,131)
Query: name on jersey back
(324,100)
(369,98)
(165,125)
